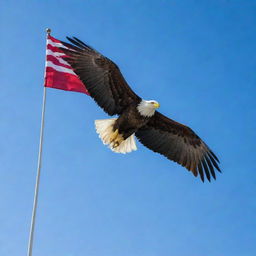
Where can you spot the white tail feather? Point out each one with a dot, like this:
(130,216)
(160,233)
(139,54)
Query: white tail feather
(105,129)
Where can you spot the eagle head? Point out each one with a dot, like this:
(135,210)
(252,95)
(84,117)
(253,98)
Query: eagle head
(147,107)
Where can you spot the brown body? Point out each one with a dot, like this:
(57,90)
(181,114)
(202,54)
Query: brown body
(130,121)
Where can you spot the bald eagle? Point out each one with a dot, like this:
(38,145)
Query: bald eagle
(135,116)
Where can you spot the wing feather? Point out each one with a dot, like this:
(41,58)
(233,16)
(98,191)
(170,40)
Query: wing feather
(200,170)
(101,77)
(210,167)
(206,170)
(179,143)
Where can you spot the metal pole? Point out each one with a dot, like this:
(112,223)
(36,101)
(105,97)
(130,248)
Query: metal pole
(39,163)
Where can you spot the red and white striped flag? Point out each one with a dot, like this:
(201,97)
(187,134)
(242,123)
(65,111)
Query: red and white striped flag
(58,73)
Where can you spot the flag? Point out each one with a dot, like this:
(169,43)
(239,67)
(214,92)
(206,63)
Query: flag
(58,73)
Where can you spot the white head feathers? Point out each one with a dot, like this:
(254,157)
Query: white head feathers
(147,107)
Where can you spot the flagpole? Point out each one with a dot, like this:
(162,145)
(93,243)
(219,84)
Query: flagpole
(39,163)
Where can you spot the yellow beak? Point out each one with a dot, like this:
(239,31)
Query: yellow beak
(156,105)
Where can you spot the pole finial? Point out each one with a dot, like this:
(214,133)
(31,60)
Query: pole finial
(48,31)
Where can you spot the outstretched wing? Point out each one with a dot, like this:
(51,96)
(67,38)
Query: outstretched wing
(179,143)
(101,77)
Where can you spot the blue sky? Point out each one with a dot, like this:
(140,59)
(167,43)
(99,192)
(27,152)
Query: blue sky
(197,58)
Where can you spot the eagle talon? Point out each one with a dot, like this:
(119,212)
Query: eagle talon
(118,140)
(116,144)
(114,136)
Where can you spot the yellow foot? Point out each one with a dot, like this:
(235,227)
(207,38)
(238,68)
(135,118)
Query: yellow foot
(119,139)
(116,144)
(113,136)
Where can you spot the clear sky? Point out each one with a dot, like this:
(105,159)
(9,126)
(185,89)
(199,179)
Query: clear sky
(197,58)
